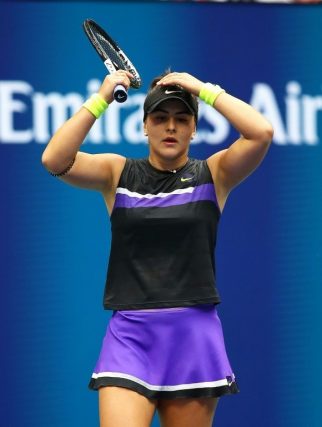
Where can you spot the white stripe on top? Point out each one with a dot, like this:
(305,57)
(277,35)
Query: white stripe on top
(218,383)
(129,193)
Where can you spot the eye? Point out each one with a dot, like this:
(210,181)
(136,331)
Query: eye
(159,117)
(183,119)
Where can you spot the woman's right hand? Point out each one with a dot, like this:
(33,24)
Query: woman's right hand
(120,77)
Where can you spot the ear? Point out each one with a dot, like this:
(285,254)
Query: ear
(145,130)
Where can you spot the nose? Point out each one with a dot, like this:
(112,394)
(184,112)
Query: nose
(171,124)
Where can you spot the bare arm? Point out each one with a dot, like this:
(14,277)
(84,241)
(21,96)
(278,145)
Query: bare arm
(94,171)
(233,165)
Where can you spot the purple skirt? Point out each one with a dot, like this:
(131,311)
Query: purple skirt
(166,353)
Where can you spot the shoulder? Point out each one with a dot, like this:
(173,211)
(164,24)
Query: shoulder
(108,160)
(112,158)
(213,160)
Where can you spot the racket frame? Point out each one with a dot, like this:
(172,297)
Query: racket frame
(91,29)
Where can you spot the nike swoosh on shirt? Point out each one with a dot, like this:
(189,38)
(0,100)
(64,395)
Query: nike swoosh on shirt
(185,179)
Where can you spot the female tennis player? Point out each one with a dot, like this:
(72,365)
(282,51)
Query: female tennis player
(164,348)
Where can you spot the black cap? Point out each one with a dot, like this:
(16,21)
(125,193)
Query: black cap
(162,93)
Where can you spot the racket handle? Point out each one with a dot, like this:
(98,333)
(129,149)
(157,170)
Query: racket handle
(120,93)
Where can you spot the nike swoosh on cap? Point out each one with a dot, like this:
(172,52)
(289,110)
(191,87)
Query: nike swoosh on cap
(168,92)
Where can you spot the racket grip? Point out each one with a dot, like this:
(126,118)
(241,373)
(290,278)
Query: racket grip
(120,93)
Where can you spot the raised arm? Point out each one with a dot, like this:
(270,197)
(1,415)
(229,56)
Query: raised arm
(63,158)
(232,165)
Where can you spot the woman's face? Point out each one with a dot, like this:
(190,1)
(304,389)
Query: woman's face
(170,128)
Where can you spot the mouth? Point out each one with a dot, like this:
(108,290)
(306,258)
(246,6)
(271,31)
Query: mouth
(170,140)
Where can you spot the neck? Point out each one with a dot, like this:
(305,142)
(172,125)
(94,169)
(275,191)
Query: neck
(168,165)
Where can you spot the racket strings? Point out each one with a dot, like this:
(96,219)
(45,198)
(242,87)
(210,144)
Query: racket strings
(110,52)
(119,59)
(112,55)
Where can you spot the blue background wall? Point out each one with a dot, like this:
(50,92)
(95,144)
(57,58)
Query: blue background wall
(55,238)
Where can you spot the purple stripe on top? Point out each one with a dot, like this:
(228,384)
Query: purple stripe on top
(204,192)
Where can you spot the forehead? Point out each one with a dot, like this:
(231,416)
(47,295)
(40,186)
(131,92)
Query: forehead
(175,106)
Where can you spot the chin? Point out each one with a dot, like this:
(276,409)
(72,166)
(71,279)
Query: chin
(171,155)
(172,151)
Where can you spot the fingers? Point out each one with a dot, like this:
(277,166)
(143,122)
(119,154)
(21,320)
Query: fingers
(175,78)
(171,78)
(185,80)
(120,77)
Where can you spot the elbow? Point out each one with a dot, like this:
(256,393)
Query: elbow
(45,160)
(266,134)
(55,163)
(48,161)
(269,133)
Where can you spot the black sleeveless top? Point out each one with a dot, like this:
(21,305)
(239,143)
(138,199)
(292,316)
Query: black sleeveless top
(164,228)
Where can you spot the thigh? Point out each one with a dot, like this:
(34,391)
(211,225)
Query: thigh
(183,412)
(121,407)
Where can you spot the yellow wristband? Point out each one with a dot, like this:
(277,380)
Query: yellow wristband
(96,105)
(209,93)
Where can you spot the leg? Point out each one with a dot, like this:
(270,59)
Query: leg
(121,407)
(187,412)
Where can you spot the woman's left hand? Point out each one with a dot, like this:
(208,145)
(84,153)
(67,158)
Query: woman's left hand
(185,80)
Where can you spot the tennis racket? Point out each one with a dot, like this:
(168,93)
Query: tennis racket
(112,56)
